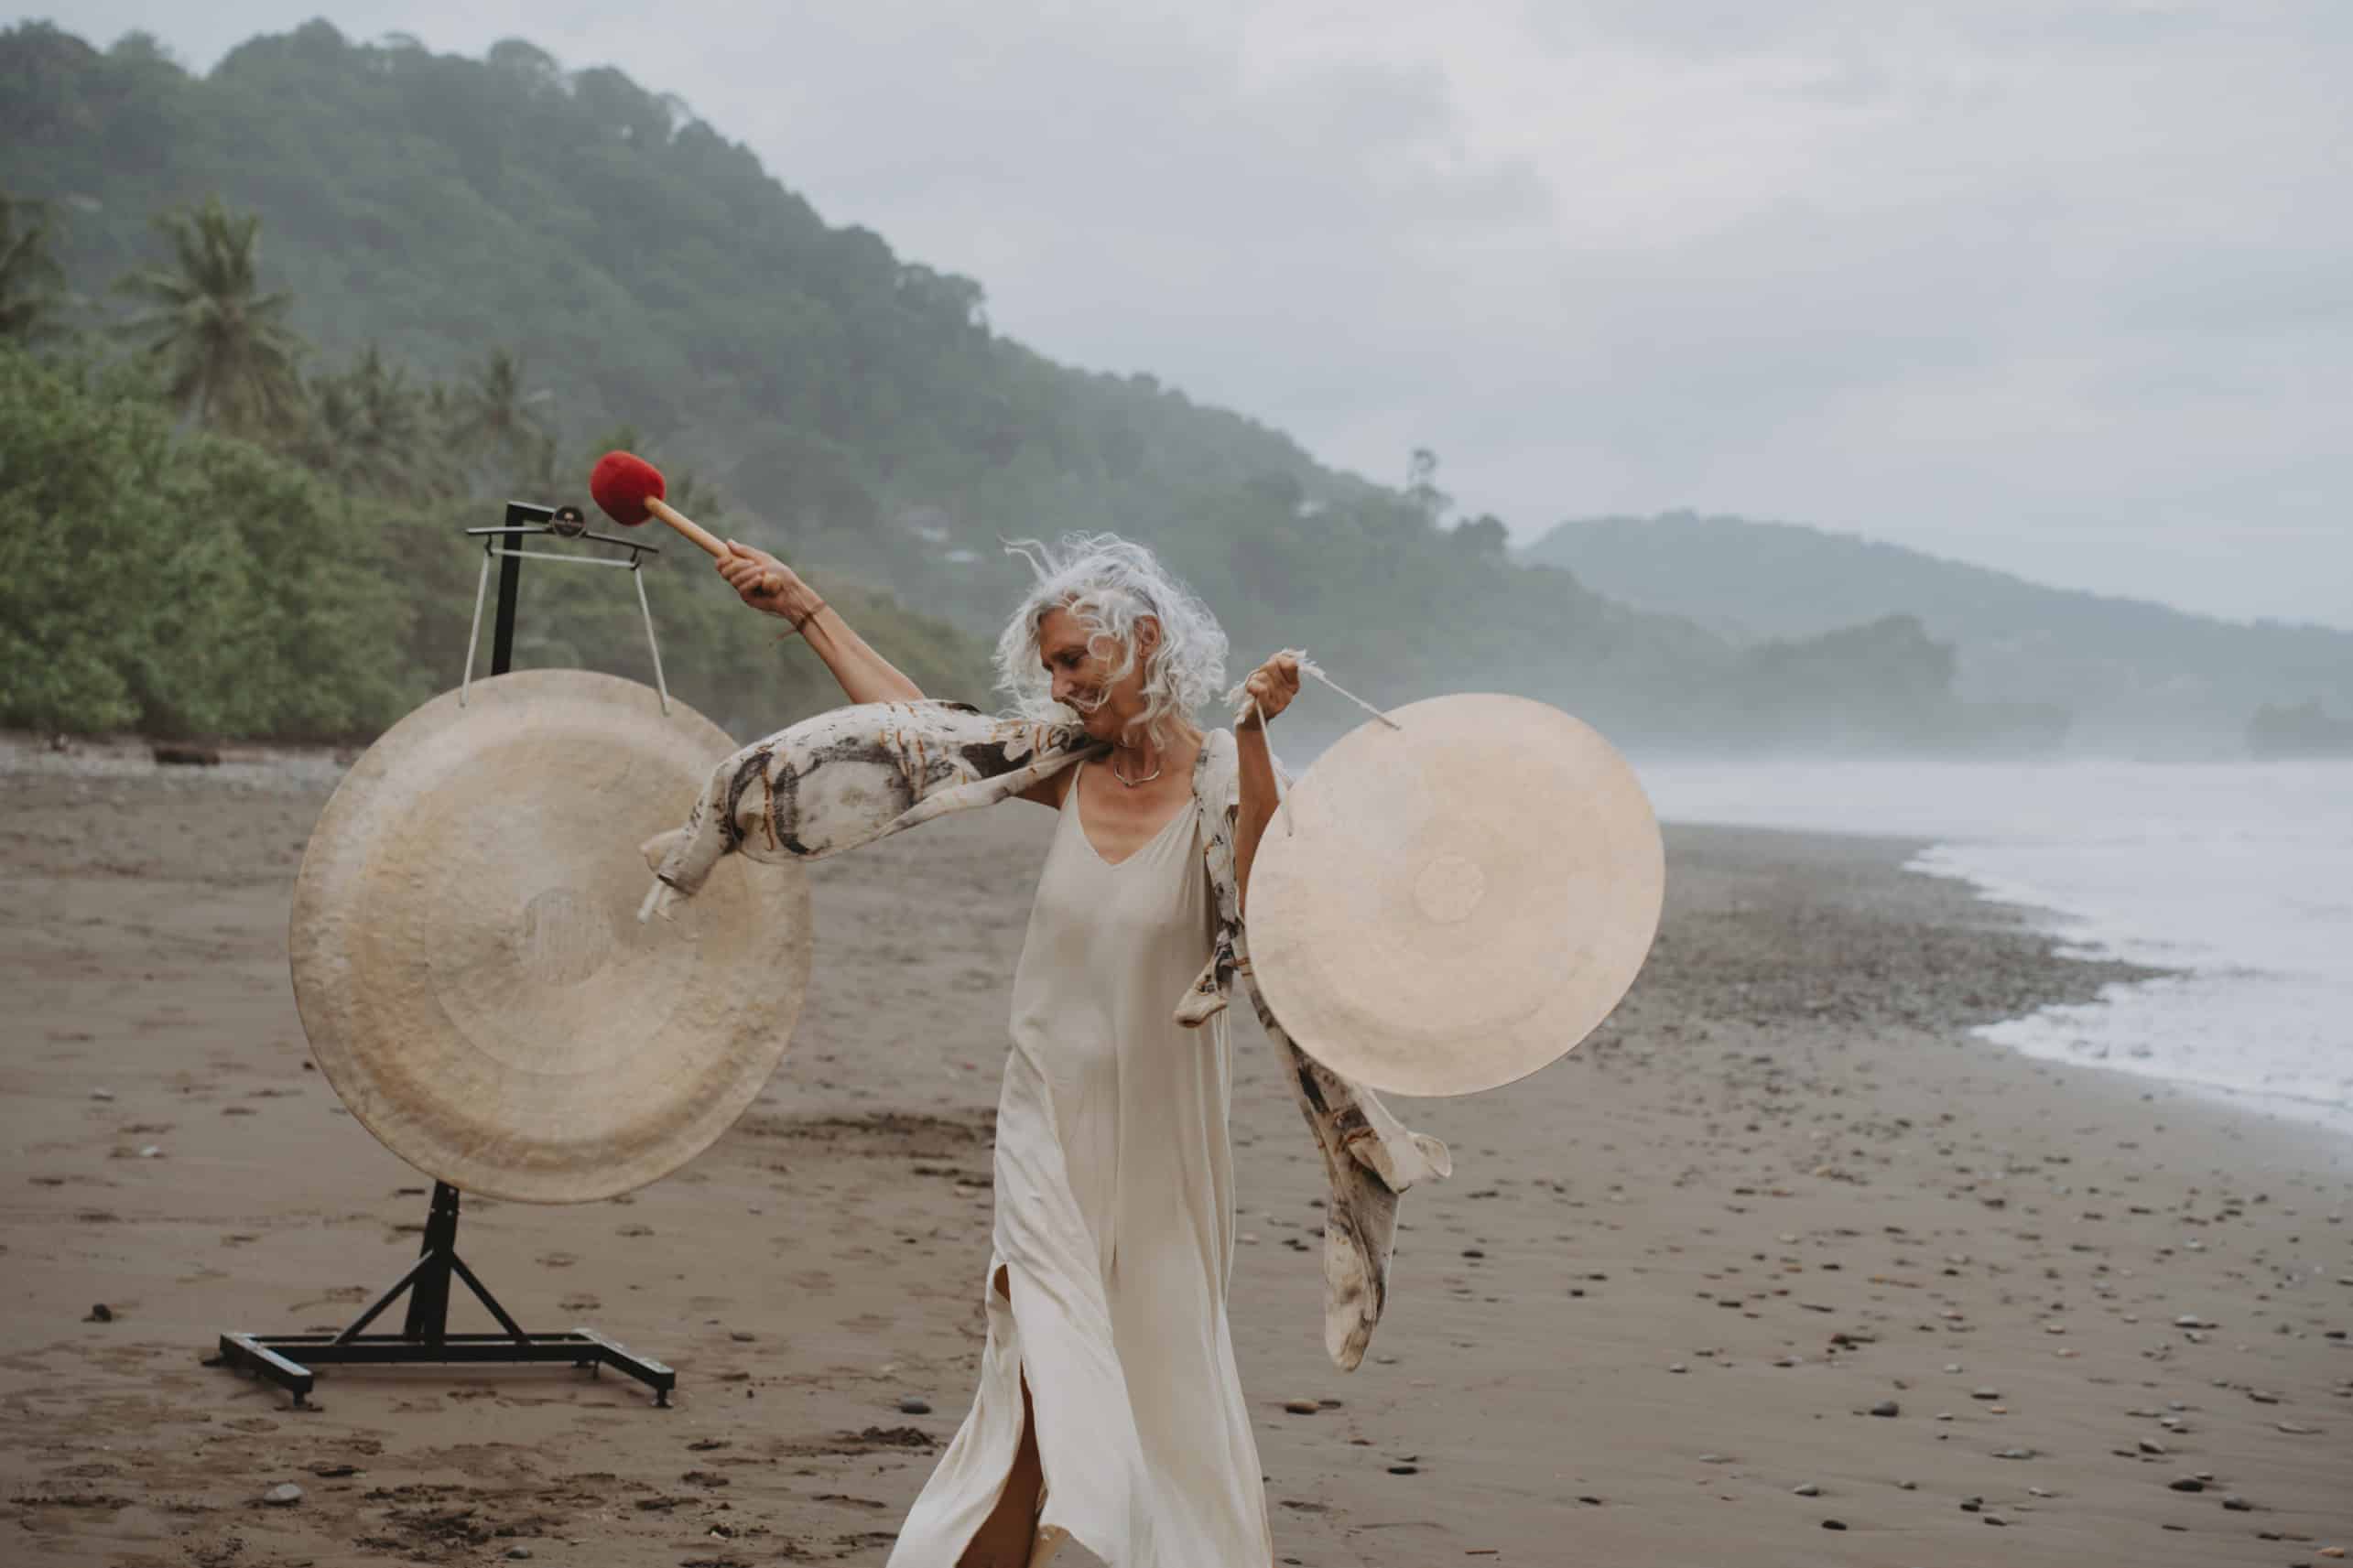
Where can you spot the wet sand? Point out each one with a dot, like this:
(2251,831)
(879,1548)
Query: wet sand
(1649,1319)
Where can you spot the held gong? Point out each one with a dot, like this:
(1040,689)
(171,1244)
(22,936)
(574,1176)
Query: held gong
(1460,900)
(467,956)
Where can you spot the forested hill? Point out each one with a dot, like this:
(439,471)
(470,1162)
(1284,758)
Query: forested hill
(650,271)
(848,406)
(2127,669)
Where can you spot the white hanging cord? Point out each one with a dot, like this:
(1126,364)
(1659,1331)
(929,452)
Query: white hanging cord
(474,636)
(1289,827)
(1307,666)
(638,577)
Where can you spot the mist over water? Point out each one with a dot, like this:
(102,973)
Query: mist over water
(2237,875)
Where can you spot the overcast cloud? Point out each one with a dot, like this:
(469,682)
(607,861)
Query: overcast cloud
(2060,286)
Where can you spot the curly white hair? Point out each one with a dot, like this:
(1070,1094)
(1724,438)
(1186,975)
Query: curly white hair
(1109,584)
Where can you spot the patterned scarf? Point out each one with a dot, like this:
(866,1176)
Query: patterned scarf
(853,776)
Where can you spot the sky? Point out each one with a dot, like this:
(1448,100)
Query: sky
(2062,287)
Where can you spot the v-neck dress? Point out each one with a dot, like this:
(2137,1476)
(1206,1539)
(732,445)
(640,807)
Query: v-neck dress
(1115,1227)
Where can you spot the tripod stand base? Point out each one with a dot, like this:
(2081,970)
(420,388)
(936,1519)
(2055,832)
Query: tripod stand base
(285,1360)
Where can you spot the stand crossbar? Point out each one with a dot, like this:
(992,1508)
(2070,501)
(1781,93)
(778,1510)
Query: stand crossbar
(285,1360)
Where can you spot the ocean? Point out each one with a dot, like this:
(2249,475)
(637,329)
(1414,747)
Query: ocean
(2239,875)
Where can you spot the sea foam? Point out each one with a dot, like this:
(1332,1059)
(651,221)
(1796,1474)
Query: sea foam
(2238,876)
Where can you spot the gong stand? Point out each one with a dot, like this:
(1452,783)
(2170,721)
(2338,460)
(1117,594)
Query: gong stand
(285,1360)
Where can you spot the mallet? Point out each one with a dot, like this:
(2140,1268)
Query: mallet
(630,490)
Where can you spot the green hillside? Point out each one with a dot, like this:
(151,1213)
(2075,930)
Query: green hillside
(2131,671)
(846,406)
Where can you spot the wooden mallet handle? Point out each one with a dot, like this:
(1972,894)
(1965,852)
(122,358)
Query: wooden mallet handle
(770,583)
(702,536)
(629,489)
(687,525)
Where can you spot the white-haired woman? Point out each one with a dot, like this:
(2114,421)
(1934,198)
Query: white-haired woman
(1109,1365)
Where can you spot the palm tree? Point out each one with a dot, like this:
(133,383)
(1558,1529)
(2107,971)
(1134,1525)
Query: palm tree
(31,283)
(387,446)
(325,439)
(230,357)
(494,418)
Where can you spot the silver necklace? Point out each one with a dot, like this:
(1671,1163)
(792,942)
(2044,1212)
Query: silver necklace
(1134,783)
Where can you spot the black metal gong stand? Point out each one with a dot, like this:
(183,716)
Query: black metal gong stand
(424,1338)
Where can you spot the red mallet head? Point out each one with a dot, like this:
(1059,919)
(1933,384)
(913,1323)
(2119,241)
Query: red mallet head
(622,482)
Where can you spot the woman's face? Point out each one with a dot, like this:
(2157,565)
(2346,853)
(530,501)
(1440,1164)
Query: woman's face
(1082,679)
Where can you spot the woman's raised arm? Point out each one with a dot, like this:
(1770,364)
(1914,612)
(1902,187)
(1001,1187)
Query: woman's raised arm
(1272,686)
(864,675)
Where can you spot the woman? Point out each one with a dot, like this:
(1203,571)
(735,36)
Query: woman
(1109,1367)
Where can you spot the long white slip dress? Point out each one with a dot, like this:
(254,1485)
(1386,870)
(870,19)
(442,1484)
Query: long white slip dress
(1115,1227)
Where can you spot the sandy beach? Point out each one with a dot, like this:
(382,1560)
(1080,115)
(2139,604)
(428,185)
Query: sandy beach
(1780,1268)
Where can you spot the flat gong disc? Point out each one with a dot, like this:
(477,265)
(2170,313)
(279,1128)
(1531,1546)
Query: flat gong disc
(1459,902)
(467,956)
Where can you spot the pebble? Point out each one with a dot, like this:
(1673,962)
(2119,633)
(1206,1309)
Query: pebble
(102,1094)
(2294,1430)
(100,1313)
(1887,1407)
(912,1405)
(2014,1454)
(1404,1469)
(1985,1393)
(1301,1406)
(2187,1484)
(518,1554)
(1808,1490)
(2148,1447)
(150,1151)
(283,1495)
(1678,1366)
(2238,1504)
(1834,1524)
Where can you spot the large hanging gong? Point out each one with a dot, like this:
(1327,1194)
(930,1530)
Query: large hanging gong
(467,956)
(1457,901)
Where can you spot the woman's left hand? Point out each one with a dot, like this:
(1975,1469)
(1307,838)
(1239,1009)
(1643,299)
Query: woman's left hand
(1273,686)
